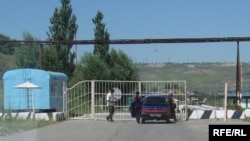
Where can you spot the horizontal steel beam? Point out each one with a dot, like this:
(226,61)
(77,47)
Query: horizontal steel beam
(135,41)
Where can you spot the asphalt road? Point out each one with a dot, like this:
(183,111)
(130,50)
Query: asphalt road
(129,130)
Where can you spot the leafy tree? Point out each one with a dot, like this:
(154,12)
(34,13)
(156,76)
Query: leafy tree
(101,34)
(27,55)
(6,63)
(6,48)
(77,77)
(63,27)
(94,68)
(105,65)
(122,67)
(51,61)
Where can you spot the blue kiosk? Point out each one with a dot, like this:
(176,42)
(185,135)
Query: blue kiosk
(45,94)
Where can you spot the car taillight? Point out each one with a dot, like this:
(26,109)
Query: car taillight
(154,110)
(143,110)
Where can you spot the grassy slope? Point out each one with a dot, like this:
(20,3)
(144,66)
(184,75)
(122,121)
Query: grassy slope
(201,77)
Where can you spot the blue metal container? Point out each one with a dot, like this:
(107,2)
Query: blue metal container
(49,95)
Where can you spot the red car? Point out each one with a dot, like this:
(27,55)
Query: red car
(155,107)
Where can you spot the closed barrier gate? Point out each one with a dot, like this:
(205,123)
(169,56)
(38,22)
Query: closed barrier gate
(87,99)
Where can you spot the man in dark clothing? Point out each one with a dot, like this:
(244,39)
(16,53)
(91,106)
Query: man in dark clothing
(172,105)
(137,99)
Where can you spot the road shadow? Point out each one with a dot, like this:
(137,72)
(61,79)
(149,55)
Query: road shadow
(159,122)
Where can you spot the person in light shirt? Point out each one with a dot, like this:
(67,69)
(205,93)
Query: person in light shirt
(111,105)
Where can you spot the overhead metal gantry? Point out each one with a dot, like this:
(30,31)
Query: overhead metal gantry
(135,41)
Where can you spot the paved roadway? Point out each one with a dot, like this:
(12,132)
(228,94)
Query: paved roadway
(124,130)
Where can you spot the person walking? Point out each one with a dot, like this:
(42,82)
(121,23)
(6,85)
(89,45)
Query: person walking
(172,105)
(111,105)
(137,99)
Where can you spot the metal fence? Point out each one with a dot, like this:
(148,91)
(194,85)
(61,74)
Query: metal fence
(87,99)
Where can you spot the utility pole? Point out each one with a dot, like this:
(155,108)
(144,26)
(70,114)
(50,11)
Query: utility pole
(238,78)
(41,56)
(76,50)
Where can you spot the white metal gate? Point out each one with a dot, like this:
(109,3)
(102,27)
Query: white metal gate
(87,99)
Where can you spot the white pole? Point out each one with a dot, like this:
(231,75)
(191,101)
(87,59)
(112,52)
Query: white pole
(33,103)
(92,99)
(225,103)
(28,102)
(64,97)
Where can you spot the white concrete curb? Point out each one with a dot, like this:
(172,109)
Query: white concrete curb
(58,116)
(55,116)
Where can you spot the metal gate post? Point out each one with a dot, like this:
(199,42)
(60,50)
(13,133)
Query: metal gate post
(65,108)
(186,110)
(139,87)
(92,99)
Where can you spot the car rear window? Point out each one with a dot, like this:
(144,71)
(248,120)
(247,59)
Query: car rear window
(155,100)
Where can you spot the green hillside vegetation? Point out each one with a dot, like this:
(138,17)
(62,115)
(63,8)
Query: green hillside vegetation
(200,77)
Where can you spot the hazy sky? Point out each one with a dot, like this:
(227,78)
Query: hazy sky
(140,19)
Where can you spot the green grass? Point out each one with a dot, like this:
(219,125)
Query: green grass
(11,126)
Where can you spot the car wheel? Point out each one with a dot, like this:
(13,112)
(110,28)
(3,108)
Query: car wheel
(167,121)
(142,120)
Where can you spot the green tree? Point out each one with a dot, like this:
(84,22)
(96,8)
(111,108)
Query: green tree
(6,47)
(27,55)
(94,68)
(122,67)
(105,65)
(101,34)
(59,57)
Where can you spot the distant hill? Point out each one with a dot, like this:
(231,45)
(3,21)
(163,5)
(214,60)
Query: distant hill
(201,77)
